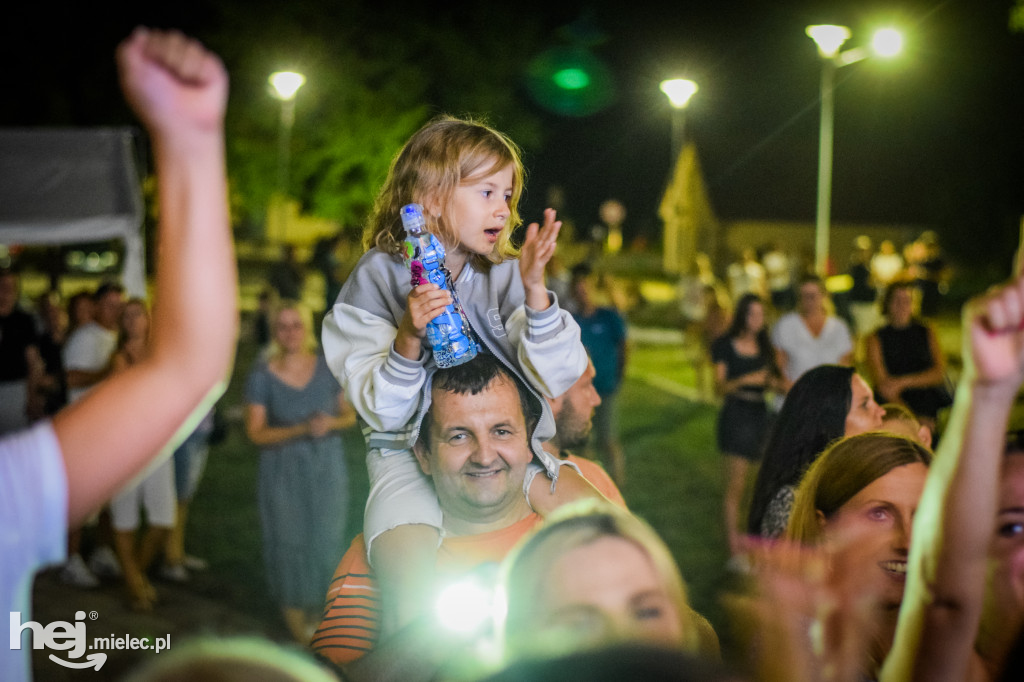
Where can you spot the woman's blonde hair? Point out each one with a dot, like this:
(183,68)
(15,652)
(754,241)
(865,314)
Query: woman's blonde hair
(443,154)
(528,567)
(274,349)
(843,470)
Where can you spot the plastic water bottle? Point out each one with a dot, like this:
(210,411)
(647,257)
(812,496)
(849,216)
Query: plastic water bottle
(449,333)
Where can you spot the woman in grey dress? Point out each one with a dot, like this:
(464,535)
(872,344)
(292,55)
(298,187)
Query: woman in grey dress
(295,410)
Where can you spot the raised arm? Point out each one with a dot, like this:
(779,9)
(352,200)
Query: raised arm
(179,91)
(956,517)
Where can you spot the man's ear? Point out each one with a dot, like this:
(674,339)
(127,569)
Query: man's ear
(422,456)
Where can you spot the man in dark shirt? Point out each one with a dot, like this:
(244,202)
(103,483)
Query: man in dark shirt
(20,362)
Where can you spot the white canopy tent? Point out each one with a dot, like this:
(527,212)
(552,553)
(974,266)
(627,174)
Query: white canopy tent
(60,186)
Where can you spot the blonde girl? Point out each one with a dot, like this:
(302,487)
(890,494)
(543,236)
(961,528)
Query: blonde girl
(469,178)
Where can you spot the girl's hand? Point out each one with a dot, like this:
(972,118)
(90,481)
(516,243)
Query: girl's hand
(537,250)
(424,303)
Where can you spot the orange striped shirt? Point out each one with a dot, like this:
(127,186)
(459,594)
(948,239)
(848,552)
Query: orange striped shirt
(351,620)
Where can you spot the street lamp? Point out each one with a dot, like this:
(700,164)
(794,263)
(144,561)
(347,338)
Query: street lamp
(679,91)
(285,85)
(829,39)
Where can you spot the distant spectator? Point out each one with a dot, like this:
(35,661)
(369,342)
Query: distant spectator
(810,336)
(886,266)
(603,333)
(862,294)
(905,360)
(747,275)
(189,464)
(154,492)
(87,356)
(21,366)
(690,290)
(326,261)
(81,309)
(826,403)
(932,274)
(559,280)
(287,275)
(53,330)
(89,348)
(261,319)
(778,270)
(295,411)
(898,419)
(744,370)
(574,421)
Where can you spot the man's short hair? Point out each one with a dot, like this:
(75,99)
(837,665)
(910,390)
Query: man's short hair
(106,288)
(473,377)
(810,278)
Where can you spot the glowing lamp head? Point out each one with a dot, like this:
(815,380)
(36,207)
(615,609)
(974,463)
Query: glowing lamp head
(286,83)
(679,91)
(887,42)
(829,38)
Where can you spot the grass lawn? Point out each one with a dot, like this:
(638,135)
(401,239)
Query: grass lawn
(674,482)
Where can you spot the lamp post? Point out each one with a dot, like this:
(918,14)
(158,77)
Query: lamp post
(679,91)
(829,39)
(285,85)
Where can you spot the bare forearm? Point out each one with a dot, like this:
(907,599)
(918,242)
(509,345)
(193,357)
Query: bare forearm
(952,530)
(930,377)
(195,322)
(272,435)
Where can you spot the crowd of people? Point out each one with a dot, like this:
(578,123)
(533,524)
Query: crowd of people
(868,555)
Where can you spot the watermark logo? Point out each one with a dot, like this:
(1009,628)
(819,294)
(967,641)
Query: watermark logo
(70,637)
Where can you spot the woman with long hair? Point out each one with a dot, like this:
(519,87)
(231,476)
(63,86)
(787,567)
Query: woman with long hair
(743,370)
(826,403)
(295,411)
(856,504)
(155,492)
(905,360)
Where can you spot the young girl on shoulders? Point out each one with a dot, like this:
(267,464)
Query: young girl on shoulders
(469,178)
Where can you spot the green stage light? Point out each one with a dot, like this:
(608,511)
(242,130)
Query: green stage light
(571,79)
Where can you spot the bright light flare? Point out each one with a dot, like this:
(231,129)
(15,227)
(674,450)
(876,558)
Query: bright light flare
(465,606)
(679,91)
(828,37)
(887,42)
(286,83)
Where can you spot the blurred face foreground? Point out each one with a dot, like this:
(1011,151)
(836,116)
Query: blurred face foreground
(591,577)
(608,590)
(1003,613)
(872,533)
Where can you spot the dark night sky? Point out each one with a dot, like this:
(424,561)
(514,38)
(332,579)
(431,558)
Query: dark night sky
(935,137)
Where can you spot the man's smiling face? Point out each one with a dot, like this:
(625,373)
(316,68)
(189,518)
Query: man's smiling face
(477,453)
